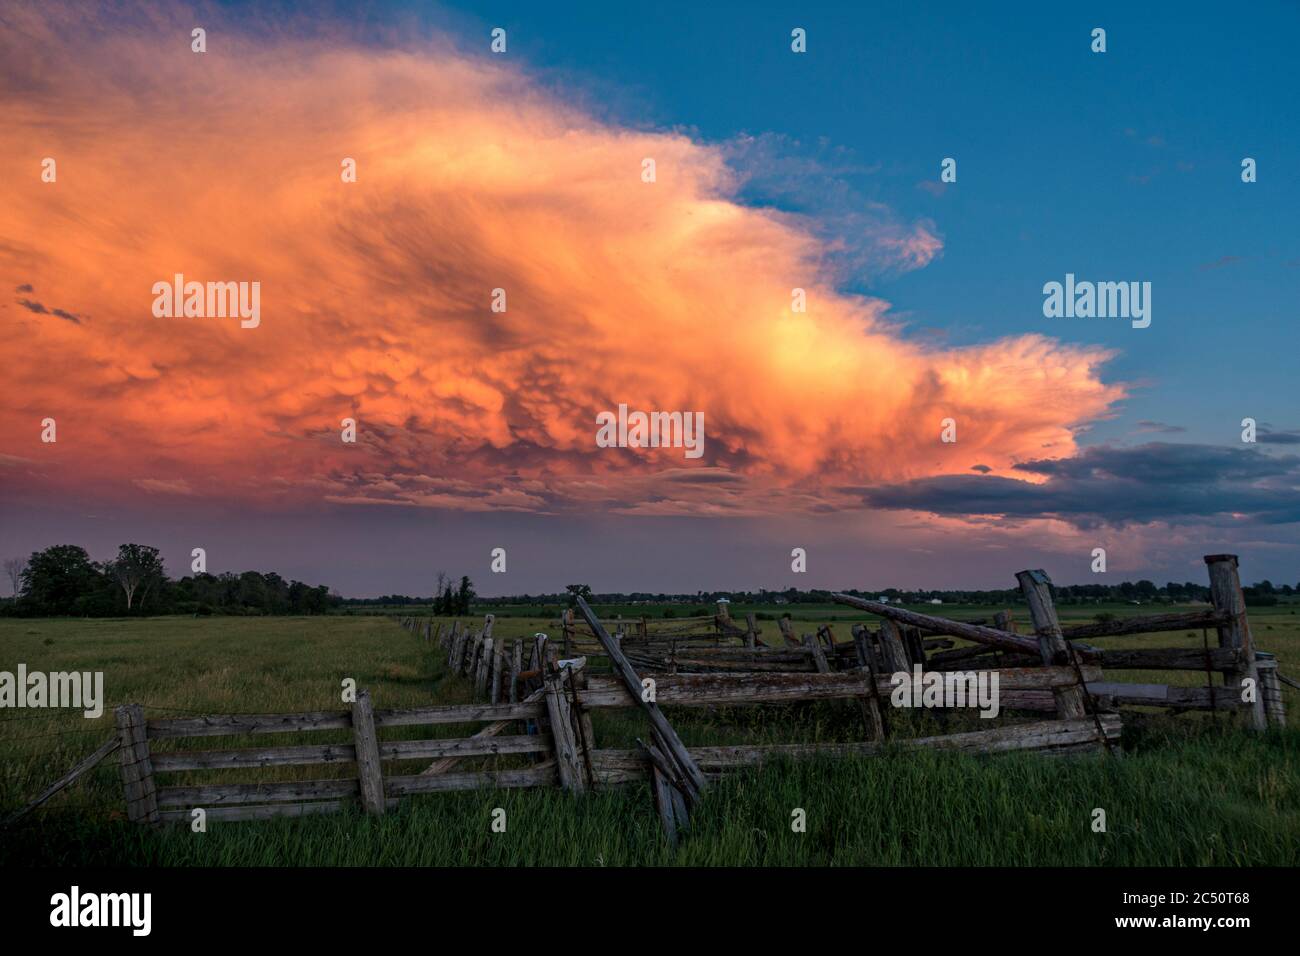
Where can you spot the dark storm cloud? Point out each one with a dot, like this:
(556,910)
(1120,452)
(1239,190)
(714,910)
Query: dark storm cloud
(1180,484)
(1279,438)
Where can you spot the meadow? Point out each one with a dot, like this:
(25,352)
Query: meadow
(1188,790)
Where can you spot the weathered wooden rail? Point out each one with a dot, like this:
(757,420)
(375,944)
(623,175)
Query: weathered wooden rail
(1250,682)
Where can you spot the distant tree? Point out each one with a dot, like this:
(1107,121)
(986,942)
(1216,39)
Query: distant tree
(14,568)
(251,590)
(439,586)
(298,597)
(136,569)
(578,591)
(57,577)
(277,593)
(464,595)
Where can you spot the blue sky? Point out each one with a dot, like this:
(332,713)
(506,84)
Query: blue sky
(1122,165)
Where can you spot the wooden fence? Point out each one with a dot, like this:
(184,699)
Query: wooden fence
(906,639)
(1249,682)
(652,637)
(538,701)
(552,700)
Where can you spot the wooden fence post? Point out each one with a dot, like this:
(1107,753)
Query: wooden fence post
(872,714)
(369,771)
(814,647)
(892,649)
(482,669)
(498,671)
(787,632)
(137,769)
(470,665)
(568,755)
(453,648)
(751,634)
(723,619)
(465,645)
(1036,587)
(566,628)
(668,800)
(1270,688)
(517,668)
(1225,592)
(915,646)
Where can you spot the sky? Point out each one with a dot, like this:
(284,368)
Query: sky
(524,171)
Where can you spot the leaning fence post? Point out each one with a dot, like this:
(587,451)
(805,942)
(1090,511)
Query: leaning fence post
(1037,589)
(815,651)
(369,772)
(689,778)
(137,769)
(787,631)
(1225,592)
(567,753)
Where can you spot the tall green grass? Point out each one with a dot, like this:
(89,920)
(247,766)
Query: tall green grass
(1185,791)
(1197,799)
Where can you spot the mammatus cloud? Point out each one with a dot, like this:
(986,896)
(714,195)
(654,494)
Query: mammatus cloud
(375,295)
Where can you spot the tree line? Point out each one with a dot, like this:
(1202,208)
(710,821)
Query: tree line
(1143,592)
(63,580)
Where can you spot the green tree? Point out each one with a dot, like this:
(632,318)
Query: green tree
(578,591)
(57,577)
(464,595)
(137,570)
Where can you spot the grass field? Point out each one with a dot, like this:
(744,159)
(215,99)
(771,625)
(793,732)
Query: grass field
(1189,790)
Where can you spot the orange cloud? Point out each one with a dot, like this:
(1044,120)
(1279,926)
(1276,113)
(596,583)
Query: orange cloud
(375,295)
